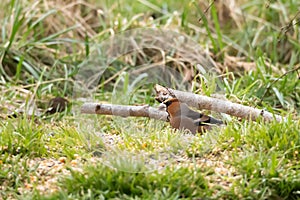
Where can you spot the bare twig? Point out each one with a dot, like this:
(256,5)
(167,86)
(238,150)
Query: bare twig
(218,105)
(124,110)
(194,100)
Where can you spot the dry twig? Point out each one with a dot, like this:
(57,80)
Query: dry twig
(218,105)
(124,111)
(193,100)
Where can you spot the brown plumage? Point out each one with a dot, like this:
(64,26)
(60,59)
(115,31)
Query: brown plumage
(182,117)
(57,104)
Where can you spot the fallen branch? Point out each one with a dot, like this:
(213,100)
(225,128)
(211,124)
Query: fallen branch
(218,105)
(124,111)
(193,100)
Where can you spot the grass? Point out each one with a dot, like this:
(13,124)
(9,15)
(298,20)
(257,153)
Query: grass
(51,49)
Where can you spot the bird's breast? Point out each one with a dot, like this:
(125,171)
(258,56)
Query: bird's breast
(182,122)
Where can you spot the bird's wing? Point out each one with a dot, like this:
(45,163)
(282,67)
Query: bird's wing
(215,121)
(199,118)
(206,120)
(186,111)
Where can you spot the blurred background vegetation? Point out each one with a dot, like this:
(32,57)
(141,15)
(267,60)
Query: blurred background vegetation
(255,50)
(46,41)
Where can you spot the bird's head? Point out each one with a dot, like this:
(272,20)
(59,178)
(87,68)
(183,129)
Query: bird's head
(171,101)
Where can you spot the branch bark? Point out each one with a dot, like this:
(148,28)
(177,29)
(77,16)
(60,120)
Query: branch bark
(214,104)
(124,110)
(193,100)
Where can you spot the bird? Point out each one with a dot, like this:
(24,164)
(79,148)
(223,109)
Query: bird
(182,117)
(57,104)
